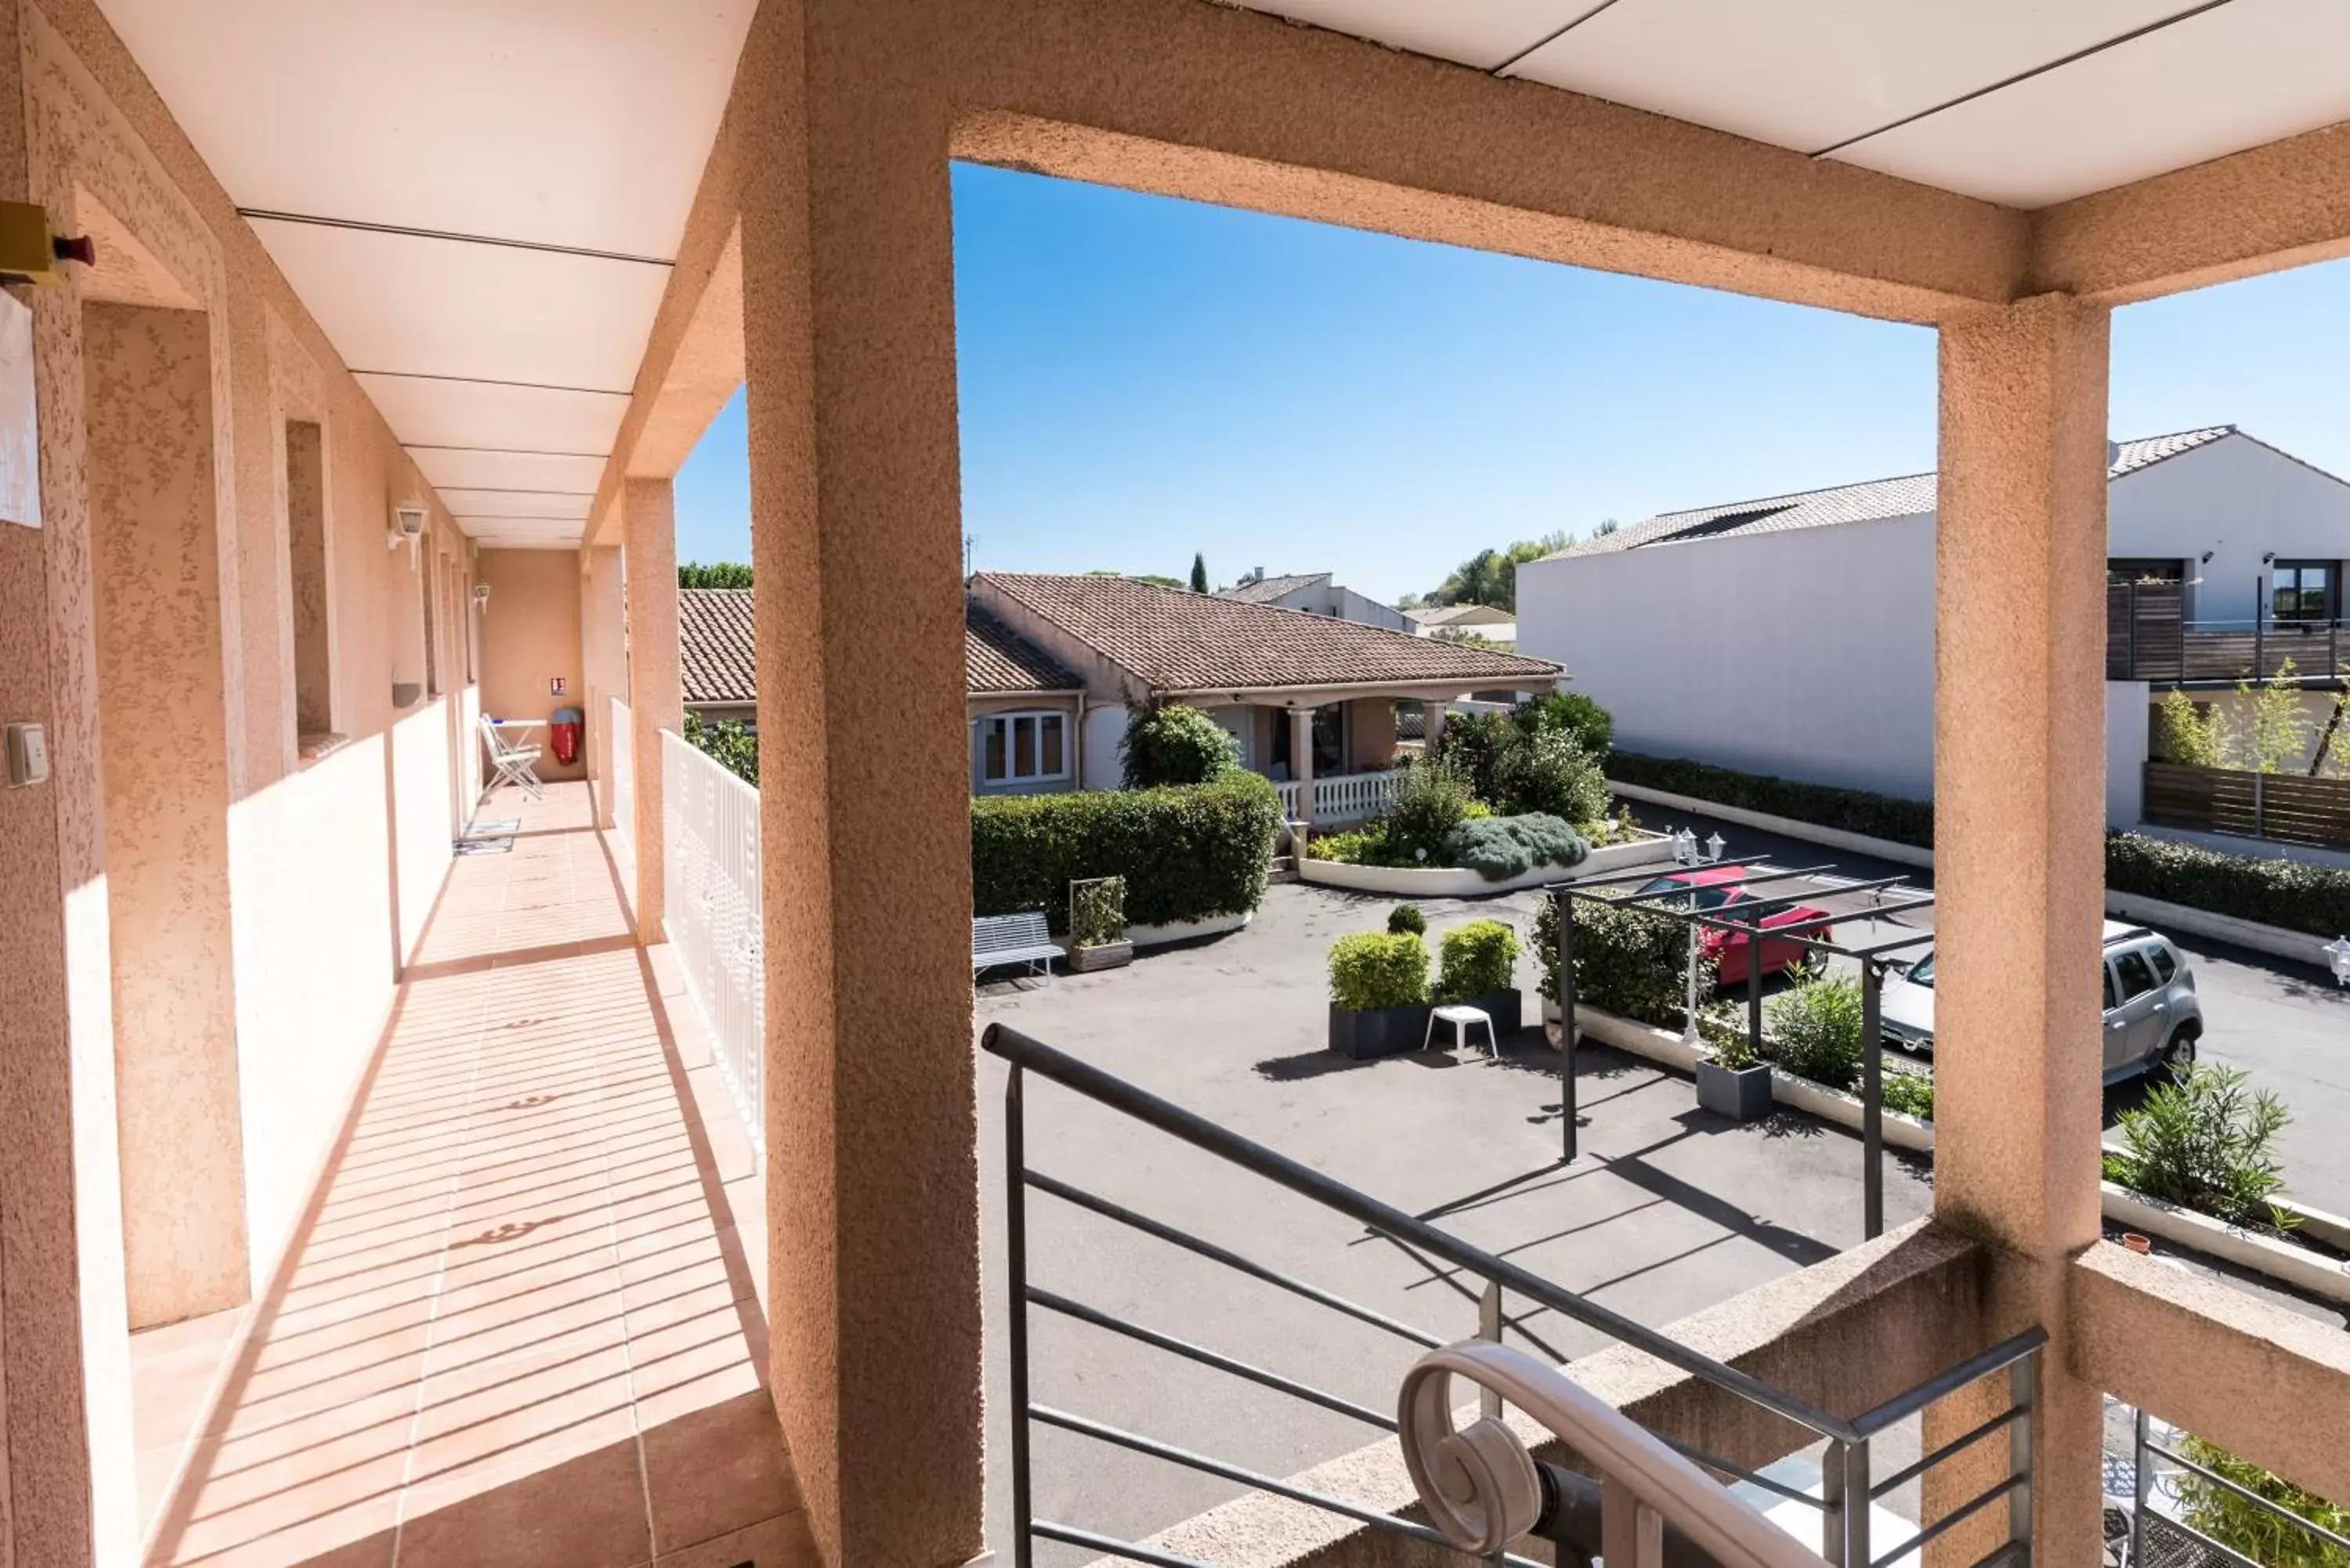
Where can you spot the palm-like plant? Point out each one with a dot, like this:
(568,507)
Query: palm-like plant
(2203,1140)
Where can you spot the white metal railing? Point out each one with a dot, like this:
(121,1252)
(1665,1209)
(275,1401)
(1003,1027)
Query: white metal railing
(1346,797)
(623,779)
(709,832)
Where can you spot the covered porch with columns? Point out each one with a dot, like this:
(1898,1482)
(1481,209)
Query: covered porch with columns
(817,265)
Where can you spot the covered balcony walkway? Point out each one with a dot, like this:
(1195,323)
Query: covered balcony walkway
(517,1326)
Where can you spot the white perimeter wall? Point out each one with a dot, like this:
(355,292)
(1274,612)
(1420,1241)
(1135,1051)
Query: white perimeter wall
(1807,654)
(2237,499)
(2128,722)
(1099,767)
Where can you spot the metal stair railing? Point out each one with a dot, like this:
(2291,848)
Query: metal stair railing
(1644,1504)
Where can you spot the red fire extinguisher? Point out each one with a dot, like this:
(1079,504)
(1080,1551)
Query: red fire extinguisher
(563,733)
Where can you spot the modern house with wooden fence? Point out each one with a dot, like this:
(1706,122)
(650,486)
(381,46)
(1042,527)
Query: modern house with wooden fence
(1794,648)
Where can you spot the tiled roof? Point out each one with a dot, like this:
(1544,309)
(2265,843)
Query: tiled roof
(1264,590)
(1180,643)
(997,659)
(716,658)
(1455,615)
(1907,496)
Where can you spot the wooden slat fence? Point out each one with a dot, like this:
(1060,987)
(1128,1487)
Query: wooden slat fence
(2287,807)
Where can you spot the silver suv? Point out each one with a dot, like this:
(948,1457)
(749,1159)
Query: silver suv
(2152,1016)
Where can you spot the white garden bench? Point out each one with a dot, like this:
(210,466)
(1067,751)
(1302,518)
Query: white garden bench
(1014,939)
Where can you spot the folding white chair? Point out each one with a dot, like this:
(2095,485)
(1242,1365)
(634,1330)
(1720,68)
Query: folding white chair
(514,764)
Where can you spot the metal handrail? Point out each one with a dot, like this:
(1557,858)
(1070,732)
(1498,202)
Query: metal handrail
(1035,1055)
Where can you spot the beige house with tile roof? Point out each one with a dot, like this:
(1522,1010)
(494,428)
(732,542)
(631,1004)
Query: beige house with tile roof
(1309,698)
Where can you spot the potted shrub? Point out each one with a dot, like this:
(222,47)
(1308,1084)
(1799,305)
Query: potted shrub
(1097,924)
(1733,1081)
(1378,994)
(1480,963)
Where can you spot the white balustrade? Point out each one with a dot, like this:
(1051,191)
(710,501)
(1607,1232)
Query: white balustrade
(1351,797)
(710,836)
(623,781)
(1293,798)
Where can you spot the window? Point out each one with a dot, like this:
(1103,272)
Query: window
(2305,590)
(2137,975)
(1022,748)
(2166,963)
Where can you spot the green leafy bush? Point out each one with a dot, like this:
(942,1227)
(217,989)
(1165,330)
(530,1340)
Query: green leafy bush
(1575,712)
(1479,959)
(1852,810)
(2288,893)
(1098,911)
(713,573)
(1557,777)
(1366,845)
(731,743)
(1627,961)
(1910,1094)
(1187,852)
(1171,743)
(1498,848)
(1405,919)
(1431,799)
(2242,1525)
(1377,968)
(2203,1140)
(1486,750)
(1813,1031)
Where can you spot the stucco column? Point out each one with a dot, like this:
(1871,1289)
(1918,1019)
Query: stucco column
(164,756)
(855,540)
(603,665)
(1433,731)
(2018,817)
(1301,761)
(649,521)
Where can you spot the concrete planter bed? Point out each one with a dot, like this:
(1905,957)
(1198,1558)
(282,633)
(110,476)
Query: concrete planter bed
(2287,1263)
(1459,882)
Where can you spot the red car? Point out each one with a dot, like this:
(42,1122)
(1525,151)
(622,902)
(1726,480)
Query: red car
(1719,888)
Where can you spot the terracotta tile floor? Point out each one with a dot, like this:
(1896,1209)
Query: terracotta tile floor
(519,1328)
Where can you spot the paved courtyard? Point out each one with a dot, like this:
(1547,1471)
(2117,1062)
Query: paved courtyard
(1669,1210)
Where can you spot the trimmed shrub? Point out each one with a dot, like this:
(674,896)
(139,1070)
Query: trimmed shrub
(1431,799)
(2288,893)
(1910,1094)
(1405,919)
(1813,1031)
(1187,852)
(1557,777)
(1498,848)
(1852,810)
(2203,1140)
(1377,968)
(1575,712)
(1170,743)
(1627,961)
(1480,958)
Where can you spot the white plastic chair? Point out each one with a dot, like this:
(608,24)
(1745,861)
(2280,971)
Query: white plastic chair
(514,764)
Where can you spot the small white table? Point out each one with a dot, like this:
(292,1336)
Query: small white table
(1462,1017)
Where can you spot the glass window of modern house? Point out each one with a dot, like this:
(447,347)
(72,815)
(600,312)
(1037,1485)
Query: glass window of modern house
(1016,748)
(2305,590)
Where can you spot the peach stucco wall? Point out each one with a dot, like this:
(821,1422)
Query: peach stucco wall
(530,635)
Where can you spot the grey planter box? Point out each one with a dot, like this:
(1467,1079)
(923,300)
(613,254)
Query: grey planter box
(1101,955)
(1741,1094)
(1377,1032)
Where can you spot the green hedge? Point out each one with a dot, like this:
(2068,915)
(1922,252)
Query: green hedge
(1480,958)
(1852,810)
(2288,893)
(1187,851)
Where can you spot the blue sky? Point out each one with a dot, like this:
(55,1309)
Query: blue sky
(1142,377)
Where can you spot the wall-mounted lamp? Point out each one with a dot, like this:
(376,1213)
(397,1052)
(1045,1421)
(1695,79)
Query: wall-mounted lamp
(481,597)
(407,526)
(2268,558)
(2207,557)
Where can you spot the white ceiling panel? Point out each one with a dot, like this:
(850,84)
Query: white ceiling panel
(509,471)
(2233,77)
(1483,34)
(568,123)
(399,302)
(545,506)
(473,416)
(1808,74)
(500,543)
